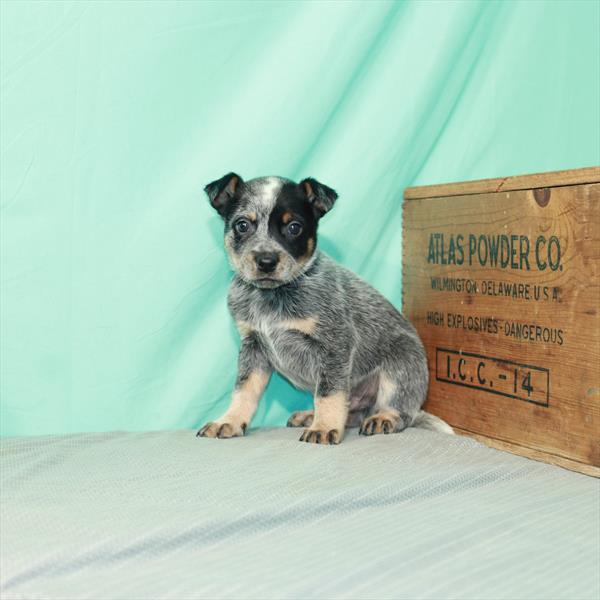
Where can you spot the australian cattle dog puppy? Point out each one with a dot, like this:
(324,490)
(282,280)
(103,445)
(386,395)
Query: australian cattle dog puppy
(315,322)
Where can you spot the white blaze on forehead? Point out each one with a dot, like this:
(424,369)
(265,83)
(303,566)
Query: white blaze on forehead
(267,190)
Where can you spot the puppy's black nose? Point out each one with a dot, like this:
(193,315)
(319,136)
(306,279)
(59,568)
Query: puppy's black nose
(266,261)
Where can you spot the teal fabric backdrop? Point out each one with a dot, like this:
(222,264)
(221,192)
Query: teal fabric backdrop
(115,114)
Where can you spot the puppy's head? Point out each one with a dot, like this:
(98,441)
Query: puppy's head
(270,225)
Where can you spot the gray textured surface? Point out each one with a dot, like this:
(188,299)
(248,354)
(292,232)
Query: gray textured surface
(414,515)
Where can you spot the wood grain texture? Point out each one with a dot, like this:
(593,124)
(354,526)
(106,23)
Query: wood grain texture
(506,184)
(522,369)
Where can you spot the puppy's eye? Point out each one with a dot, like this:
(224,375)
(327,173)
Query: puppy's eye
(242,226)
(294,228)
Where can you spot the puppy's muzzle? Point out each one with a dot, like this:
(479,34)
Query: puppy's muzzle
(266,261)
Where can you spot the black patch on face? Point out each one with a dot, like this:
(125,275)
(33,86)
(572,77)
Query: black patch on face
(292,206)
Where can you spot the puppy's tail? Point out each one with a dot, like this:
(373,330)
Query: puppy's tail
(425,420)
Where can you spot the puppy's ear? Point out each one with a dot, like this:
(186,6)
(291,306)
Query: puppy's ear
(320,196)
(221,192)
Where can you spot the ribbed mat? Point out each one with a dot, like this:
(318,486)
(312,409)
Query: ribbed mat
(414,515)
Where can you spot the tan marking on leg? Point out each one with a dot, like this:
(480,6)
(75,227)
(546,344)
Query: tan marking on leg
(243,405)
(306,326)
(245,398)
(286,217)
(244,328)
(331,411)
(329,420)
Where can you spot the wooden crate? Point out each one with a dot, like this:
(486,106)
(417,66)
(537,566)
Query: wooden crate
(501,277)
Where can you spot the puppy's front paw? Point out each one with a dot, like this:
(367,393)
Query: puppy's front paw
(301,418)
(222,430)
(321,436)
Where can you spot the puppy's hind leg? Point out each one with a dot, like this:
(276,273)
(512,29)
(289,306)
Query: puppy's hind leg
(402,390)
(386,417)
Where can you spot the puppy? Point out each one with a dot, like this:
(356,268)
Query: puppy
(313,321)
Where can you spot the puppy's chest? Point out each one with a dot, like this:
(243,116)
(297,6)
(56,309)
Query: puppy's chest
(285,341)
(273,328)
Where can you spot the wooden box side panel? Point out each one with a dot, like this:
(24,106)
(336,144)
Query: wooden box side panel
(513,347)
